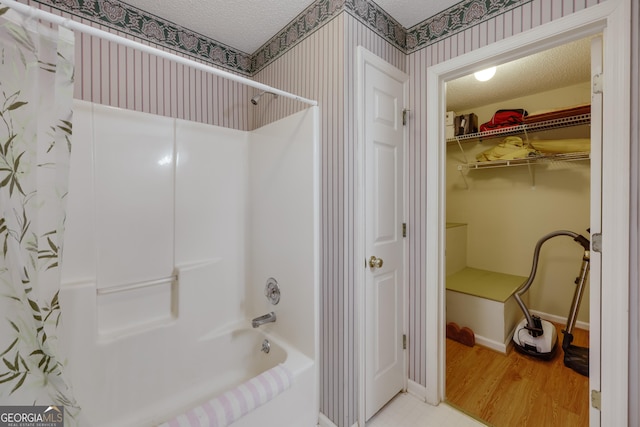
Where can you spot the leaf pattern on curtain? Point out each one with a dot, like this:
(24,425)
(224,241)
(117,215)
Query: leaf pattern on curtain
(36,93)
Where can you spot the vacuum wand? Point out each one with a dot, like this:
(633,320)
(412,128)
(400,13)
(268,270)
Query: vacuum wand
(577,296)
(532,326)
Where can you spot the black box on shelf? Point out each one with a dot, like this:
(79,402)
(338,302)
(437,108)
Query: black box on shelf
(465,124)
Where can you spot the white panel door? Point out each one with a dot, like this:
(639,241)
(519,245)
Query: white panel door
(384,285)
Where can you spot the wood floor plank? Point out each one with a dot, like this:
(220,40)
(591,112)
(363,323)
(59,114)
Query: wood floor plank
(515,389)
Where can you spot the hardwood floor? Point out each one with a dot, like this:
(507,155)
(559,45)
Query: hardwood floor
(517,390)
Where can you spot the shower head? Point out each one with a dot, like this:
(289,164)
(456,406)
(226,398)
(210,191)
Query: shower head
(255,99)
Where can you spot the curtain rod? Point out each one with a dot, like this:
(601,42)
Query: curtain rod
(72,25)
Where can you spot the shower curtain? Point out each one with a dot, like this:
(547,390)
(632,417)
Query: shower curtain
(36,92)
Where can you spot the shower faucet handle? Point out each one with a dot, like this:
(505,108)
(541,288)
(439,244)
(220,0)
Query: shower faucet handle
(272,291)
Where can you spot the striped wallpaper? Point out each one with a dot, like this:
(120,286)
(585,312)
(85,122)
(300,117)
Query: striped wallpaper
(321,65)
(118,76)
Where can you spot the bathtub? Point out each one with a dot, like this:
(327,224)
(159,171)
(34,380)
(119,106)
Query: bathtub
(225,360)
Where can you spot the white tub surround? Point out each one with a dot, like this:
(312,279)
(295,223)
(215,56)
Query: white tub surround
(155,294)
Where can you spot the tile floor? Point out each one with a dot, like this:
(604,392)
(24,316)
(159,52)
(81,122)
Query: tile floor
(407,411)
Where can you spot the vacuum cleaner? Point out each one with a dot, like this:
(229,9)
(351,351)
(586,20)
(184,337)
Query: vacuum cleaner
(537,337)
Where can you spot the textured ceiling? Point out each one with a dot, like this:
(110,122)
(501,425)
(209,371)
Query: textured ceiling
(554,68)
(248,24)
(411,12)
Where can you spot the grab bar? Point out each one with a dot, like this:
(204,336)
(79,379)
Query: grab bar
(136,285)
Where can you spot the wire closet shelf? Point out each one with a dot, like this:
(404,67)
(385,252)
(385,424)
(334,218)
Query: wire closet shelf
(576,120)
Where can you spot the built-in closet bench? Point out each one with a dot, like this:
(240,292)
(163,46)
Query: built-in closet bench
(480,299)
(486,284)
(483,301)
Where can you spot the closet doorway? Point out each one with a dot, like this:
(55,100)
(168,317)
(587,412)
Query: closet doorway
(608,333)
(507,186)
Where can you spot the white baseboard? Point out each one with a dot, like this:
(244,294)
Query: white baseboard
(416,390)
(493,345)
(558,319)
(504,347)
(323,421)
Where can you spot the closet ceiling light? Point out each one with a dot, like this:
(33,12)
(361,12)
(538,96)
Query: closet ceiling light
(485,75)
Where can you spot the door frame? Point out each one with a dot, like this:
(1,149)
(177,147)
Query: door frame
(612,19)
(364,57)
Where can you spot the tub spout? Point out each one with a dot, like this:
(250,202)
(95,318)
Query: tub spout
(267,318)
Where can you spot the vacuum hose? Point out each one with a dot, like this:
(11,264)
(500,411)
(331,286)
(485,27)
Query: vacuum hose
(531,325)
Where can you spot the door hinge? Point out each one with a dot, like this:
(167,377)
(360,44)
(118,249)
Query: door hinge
(404,341)
(596,399)
(596,242)
(404,229)
(597,83)
(405,113)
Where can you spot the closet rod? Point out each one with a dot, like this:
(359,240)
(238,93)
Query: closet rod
(32,12)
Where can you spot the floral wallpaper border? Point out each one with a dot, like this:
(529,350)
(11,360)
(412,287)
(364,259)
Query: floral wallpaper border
(153,29)
(374,17)
(310,19)
(322,11)
(122,17)
(463,15)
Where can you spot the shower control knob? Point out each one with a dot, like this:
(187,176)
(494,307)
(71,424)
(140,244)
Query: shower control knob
(375,262)
(272,291)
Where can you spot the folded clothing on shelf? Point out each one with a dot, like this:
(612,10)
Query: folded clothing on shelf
(562,146)
(509,148)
